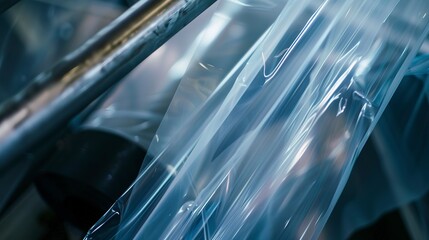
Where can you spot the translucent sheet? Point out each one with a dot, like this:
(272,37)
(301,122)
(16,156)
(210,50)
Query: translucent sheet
(391,171)
(136,107)
(263,149)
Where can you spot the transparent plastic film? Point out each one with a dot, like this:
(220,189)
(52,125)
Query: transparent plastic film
(228,41)
(420,64)
(136,107)
(267,148)
(390,174)
(224,48)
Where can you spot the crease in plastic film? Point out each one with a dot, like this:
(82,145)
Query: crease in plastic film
(195,91)
(275,145)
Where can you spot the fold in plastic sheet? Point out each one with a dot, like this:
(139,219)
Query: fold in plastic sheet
(419,66)
(391,172)
(135,108)
(264,149)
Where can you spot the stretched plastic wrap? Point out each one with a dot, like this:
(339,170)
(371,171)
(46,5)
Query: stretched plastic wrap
(391,172)
(263,150)
(136,107)
(100,159)
(230,23)
(420,65)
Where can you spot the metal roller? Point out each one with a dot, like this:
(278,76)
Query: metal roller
(57,95)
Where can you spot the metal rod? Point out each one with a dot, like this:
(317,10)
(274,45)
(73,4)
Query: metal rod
(57,95)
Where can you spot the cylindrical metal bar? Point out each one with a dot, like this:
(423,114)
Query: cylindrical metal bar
(57,95)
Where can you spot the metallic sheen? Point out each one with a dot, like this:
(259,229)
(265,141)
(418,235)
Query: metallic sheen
(57,95)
